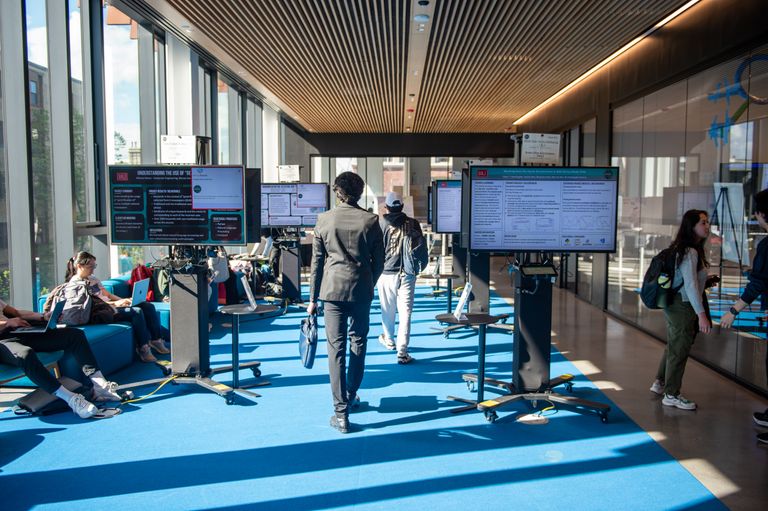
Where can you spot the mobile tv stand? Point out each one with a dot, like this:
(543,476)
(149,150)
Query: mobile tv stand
(190,354)
(532,352)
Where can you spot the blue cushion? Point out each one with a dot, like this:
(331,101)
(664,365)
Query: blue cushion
(15,374)
(112,345)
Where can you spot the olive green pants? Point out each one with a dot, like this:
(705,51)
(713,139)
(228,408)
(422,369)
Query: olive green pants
(682,327)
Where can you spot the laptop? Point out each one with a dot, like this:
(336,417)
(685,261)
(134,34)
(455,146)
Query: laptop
(51,325)
(140,290)
(249,292)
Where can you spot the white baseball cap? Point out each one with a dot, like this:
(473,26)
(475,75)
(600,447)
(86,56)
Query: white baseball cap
(394,200)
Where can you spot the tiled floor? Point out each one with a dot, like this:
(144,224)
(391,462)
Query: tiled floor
(716,443)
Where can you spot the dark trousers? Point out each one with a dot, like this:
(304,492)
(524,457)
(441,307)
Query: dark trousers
(21,351)
(682,327)
(345,381)
(143,320)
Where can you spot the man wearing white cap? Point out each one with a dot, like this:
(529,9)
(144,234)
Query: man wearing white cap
(397,283)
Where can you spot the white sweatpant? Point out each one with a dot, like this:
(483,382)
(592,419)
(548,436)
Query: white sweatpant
(396,296)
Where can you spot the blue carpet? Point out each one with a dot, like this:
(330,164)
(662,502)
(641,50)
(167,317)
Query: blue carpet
(184,448)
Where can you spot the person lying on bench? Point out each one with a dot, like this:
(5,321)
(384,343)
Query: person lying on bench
(20,350)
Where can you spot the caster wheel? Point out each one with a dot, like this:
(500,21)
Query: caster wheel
(230,400)
(256,372)
(604,419)
(471,386)
(491,417)
(534,404)
(446,336)
(166,371)
(569,387)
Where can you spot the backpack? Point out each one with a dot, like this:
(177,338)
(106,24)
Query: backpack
(77,310)
(657,291)
(141,272)
(54,297)
(415,254)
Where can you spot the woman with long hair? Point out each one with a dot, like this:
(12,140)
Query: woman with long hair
(143,318)
(686,314)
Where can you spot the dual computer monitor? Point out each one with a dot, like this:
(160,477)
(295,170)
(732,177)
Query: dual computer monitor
(204,205)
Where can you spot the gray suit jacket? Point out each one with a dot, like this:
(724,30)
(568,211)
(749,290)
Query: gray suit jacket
(347,255)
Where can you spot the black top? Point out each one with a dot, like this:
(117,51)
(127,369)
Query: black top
(391,224)
(758,277)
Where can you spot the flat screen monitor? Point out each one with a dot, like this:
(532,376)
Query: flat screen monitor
(176,205)
(292,204)
(447,208)
(543,209)
(253,205)
(429,204)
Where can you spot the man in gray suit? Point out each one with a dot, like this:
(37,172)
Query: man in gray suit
(347,260)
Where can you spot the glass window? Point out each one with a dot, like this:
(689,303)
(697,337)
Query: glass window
(583,262)
(121,76)
(84,178)
(697,144)
(43,242)
(229,120)
(5,274)
(222,107)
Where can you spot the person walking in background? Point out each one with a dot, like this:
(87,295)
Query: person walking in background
(757,286)
(686,313)
(347,260)
(397,283)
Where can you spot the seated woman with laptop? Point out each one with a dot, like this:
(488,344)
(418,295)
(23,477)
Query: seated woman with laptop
(142,316)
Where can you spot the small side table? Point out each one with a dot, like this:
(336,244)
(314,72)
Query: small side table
(236,311)
(480,320)
(449,291)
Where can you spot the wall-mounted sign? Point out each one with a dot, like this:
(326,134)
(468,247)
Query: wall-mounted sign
(178,149)
(540,149)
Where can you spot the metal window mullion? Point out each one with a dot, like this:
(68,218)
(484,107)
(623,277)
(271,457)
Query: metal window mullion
(147,117)
(213,98)
(19,172)
(234,119)
(91,194)
(97,101)
(161,93)
(61,132)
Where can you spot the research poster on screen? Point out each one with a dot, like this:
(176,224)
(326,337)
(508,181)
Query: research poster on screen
(543,209)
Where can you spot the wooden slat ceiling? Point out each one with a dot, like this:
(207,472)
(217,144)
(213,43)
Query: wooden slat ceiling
(341,65)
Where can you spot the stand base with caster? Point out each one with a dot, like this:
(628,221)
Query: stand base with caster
(489,406)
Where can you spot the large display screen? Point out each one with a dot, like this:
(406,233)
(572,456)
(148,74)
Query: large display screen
(176,205)
(447,208)
(543,209)
(292,205)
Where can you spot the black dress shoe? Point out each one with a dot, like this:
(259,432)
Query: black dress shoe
(762,438)
(340,423)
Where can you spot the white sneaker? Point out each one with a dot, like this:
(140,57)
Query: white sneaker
(678,401)
(108,393)
(387,343)
(658,387)
(82,406)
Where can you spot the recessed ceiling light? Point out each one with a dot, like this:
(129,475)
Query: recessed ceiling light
(423,3)
(421,18)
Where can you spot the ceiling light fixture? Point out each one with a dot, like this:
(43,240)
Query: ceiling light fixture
(423,3)
(609,59)
(421,18)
